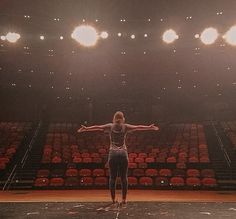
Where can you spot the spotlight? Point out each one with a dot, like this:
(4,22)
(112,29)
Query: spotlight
(104,35)
(3,37)
(119,34)
(132,36)
(61,37)
(230,36)
(12,37)
(85,35)
(169,36)
(145,35)
(197,36)
(42,37)
(209,36)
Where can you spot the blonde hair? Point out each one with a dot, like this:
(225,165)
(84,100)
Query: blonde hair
(118,117)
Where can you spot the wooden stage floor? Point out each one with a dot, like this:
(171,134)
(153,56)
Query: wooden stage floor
(104,196)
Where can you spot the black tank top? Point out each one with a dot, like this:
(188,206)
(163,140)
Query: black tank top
(117,136)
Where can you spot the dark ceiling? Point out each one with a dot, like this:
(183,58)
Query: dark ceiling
(117,67)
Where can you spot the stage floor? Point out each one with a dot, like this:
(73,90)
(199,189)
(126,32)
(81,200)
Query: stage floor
(141,204)
(104,196)
(136,210)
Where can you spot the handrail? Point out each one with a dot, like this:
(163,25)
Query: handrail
(23,160)
(227,158)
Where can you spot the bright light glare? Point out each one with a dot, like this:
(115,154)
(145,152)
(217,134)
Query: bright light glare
(230,36)
(61,37)
(3,37)
(209,36)
(132,36)
(104,35)
(42,37)
(170,36)
(12,37)
(85,35)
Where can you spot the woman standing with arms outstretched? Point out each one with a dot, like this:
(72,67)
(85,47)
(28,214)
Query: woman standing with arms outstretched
(118,156)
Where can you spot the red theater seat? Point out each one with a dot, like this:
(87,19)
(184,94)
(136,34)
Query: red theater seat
(56,182)
(177,181)
(98,172)
(86,181)
(71,172)
(56,159)
(138,172)
(97,160)
(132,181)
(102,151)
(142,155)
(150,160)
(85,172)
(193,182)
(204,160)
(132,165)
(77,160)
(139,160)
(193,160)
(165,172)
(193,173)
(171,160)
(146,181)
(151,172)
(95,155)
(87,160)
(41,182)
(85,155)
(209,182)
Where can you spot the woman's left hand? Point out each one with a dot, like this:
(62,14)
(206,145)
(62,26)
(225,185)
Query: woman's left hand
(83,128)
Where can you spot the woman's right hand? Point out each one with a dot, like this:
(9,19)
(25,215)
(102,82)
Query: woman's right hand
(153,127)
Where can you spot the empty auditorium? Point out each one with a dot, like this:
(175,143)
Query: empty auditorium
(117,109)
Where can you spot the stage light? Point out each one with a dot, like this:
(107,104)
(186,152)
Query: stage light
(230,36)
(169,36)
(145,35)
(42,37)
(119,34)
(132,36)
(209,36)
(85,35)
(197,36)
(12,37)
(104,35)
(3,37)
(61,37)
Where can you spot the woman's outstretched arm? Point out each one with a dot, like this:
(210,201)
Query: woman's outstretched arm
(131,128)
(94,128)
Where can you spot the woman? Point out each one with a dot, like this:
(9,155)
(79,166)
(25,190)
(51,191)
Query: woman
(118,156)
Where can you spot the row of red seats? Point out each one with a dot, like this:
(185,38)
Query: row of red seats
(132,181)
(205,173)
(11,136)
